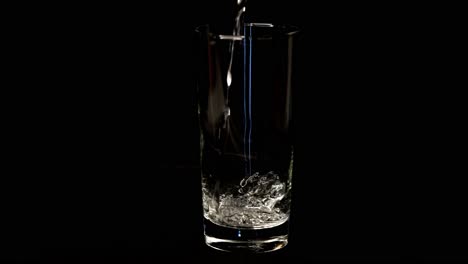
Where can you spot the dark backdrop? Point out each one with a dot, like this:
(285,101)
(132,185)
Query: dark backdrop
(104,163)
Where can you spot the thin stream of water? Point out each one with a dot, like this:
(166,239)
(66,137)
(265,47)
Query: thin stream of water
(238,23)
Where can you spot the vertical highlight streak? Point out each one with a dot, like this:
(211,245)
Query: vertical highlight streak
(250,99)
(245,110)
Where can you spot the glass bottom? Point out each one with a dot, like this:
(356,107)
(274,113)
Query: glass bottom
(246,240)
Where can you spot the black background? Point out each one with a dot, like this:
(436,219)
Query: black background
(103,164)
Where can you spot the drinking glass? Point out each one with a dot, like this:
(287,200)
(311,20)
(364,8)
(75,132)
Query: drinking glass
(245,85)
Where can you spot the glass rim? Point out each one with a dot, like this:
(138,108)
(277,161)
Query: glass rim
(289,29)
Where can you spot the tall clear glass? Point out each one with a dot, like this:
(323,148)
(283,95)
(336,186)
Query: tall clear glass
(245,111)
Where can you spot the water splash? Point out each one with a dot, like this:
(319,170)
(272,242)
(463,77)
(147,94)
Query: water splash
(254,203)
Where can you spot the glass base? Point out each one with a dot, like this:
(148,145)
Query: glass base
(246,240)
